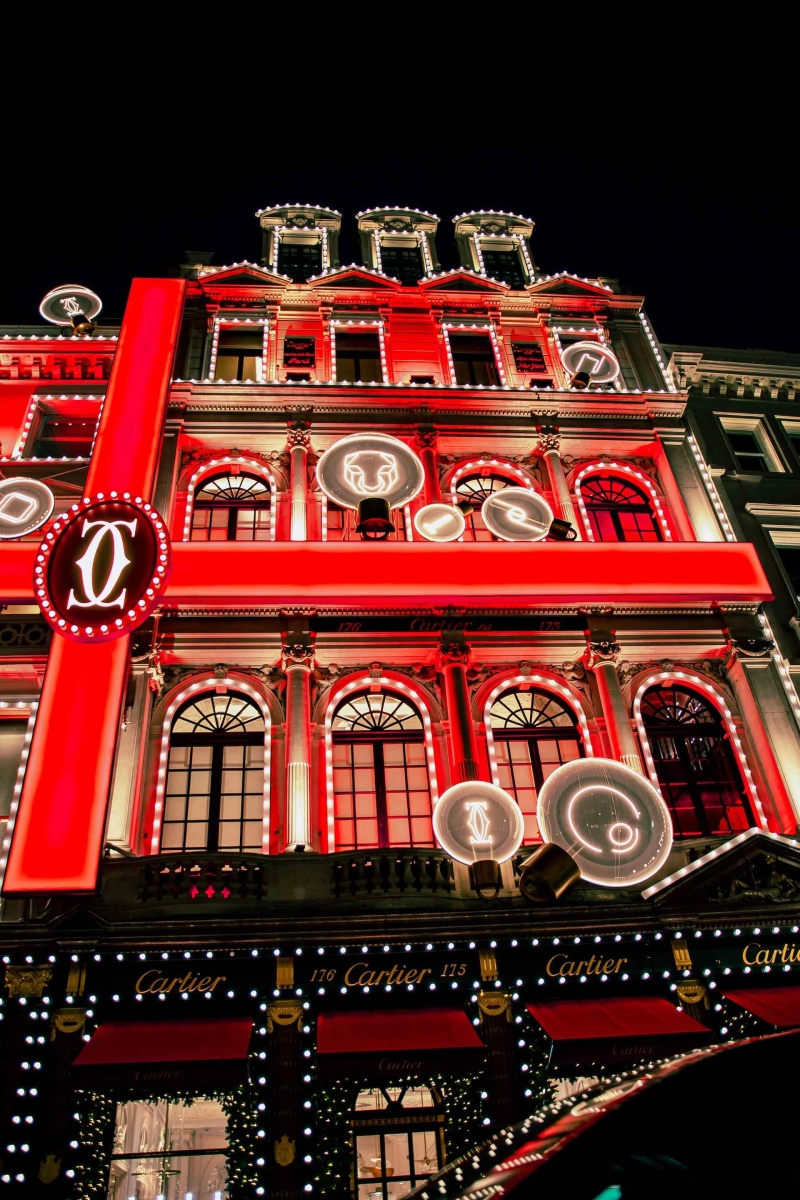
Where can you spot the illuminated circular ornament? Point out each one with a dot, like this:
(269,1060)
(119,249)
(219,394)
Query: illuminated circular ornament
(475,820)
(102,568)
(439,522)
(370,464)
(25,505)
(609,818)
(517,514)
(63,304)
(591,357)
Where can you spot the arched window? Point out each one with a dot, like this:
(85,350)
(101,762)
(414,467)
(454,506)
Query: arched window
(232,508)
(381,790)
(618,510)
(696,769)
(397,1140)
(476,488)
(534,732)
(214,795)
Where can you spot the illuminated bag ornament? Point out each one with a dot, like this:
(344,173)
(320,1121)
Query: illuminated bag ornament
(609,818)
(102,568)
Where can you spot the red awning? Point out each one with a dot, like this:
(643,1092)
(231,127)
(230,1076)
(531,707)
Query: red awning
(779,1007)
(175,1053)
(618,1029)
(399,1042)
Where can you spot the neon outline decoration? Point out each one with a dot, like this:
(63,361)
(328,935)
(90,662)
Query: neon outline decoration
(604,354)
(516,514)
(389,685)
(71,290)
(210,468)
(446,512)
(208,685)
(479,822)
(547,684)
(605,468)
(141,607)
(400,450)
(41,511)
(719,702)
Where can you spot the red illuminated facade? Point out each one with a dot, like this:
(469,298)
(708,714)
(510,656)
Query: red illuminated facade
(241,764)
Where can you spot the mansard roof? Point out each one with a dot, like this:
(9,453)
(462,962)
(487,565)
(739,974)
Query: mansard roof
(462,280)
(353,275)
(566,284)
(754,870)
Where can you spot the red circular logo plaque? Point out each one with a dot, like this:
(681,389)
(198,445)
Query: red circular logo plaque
(102,568)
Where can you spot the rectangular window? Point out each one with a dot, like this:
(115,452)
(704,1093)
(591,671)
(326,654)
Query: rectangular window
(790,559)
(358,358)
(792,431)
(169,1148)
(403,262)
(64,437)
(750,444)
(300,260)
(12,740)
(299,352)
(473,358)
(504,265)
(239,355)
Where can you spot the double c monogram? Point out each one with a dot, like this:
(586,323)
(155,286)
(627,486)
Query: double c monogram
(119,561)
(102,569)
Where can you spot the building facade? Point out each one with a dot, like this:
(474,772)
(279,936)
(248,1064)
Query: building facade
(238,959)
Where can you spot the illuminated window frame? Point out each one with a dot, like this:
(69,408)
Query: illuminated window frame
(478,327)
(236,323)
(719,702)
(280,231)
(21,709)
(381,235)
(519,244)
(547,684)
(592,333)
(479,464)
(359,327)
(210,685)
(210,468)
(389,685)
(30,420)
(622,468)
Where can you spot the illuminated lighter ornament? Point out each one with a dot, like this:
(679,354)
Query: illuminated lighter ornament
(517,514)
(364,465)
(439,523)
(476,820)
(611,820)
(598,362)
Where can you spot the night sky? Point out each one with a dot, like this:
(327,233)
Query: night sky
(691,205)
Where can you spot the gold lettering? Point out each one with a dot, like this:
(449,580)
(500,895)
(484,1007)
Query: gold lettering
(762,957)
(745,959)
(352,982)
(142,990)
(550,962)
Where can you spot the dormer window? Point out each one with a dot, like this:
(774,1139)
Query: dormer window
(495,244)
(300,240)
(300,259)
(504,265)
(402,261)
(399,242)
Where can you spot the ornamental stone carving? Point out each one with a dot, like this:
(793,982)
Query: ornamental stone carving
(283,1012)
(426,438)
(549,438)
(597,653)
(494,1004)
(297,654)
(28,982)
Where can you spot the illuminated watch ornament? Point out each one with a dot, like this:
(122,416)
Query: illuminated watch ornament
(439,522)
(609,818)
(474,821)
(25,505)
(102,568)
(63,305)
(517,514)
(364,465)
(591,358)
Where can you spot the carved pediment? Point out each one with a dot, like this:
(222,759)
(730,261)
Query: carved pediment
(754,871)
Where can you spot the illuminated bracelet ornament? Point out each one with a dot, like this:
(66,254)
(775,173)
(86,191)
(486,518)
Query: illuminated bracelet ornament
(517,514)
(102,568)
(366,465)
(440,523)
(25,505)
(590,357)
(609,818)
(480,825)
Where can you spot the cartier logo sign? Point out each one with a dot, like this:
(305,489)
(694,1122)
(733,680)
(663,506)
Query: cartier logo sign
(156,982)
(102,569)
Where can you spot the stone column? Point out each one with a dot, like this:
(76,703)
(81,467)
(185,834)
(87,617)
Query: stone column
(684,478)
(169,463)
(298,662)
(548,447)
(285,1059)
(454,658)
(494,1009)
(601,658)
(425,443)
(298,444)
(131,748)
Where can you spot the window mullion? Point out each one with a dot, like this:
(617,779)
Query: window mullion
(214,799)
(380,795)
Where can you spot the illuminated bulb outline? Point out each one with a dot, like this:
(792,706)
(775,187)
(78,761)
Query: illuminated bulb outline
(210,468)
(600,468)
(229,322)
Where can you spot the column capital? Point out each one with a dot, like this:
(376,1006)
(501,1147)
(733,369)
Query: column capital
(28,982)
(549,438)
(296,654)
(453,654)
(297,438)
(748,648)
(426,437)
(598,653)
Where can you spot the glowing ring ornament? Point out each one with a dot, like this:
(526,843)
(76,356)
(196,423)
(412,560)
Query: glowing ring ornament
(609,818)
(475,820)
(517,514)
(102,568)
(599,363)
(370,464)
(63,303)
(439,523)
(25,505)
